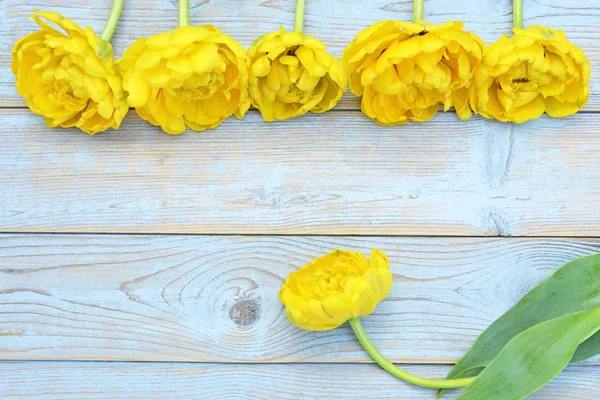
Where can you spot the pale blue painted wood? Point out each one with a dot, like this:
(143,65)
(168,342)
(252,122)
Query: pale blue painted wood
(214,298)
(334,22)
(184,298)
(336,173)
(110,381)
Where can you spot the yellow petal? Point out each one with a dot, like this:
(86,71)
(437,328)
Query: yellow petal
(69,26)
(158,77)
(185,35)
(181,64)
(160,41)
(309,61)
(261,67)
(557,109)
(533,109)
(428,61)
(204,58)
(307,82)
(138,88)
(149,59)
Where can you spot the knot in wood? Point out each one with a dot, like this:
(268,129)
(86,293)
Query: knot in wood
(246,312)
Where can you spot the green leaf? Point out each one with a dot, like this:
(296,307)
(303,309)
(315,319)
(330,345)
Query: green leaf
(587,349)
(574,287)
(533,358)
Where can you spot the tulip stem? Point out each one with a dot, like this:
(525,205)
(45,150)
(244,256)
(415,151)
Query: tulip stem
(113,18)
(418,8)
(384,363)
(183,15)
(518,14)
(299,18)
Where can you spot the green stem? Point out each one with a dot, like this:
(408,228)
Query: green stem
(184,13)
(418,7)
(384,363)
(299,18)
(518,14)
(113,18)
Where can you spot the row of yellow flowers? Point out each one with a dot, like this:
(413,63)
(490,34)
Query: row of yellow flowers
(197,76)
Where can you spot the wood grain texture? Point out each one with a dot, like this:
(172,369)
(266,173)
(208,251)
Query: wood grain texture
(329,174)
(72,380)
(214,298)
(336,23)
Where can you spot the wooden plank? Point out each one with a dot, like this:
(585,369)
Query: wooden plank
(328,174)
(72,380)
(336,23)
(214,298)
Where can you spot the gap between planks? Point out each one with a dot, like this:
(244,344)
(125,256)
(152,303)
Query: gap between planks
(333,110)
(297,235)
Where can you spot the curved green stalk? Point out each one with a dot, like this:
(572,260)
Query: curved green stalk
(183,15)
(113,18)
(384,363)
(418,7)
(299,18)
(518,14)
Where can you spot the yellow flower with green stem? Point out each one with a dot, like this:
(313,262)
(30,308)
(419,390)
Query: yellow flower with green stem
(70,78)
(193,76)
(292,73)
(535,71)
(341,287)
(405,71)
(556,323)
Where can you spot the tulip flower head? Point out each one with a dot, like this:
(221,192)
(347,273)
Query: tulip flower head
(291,74)
(405,71)
(535,71)
(193,76)
(69,79)
(335,288)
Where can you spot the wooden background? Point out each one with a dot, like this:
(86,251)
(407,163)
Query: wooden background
(160,257)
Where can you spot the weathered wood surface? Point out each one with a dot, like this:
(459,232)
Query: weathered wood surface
(214,298)
(336,23)
(76,380)
(335,173)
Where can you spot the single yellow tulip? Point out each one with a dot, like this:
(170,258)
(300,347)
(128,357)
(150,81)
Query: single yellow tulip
(291,74)
(335,288)
(71,79)
(343,286)
(404,71)
(193,76)
(535,71)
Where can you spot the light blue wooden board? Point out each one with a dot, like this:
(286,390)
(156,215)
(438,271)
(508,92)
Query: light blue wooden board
(110,381)
(335,173)
(334,22)
(214,298)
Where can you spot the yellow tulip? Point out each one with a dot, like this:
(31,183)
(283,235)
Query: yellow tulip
(404,71)
(537,70)
(291,74)
(335,288)
(194,76)
(71,79)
